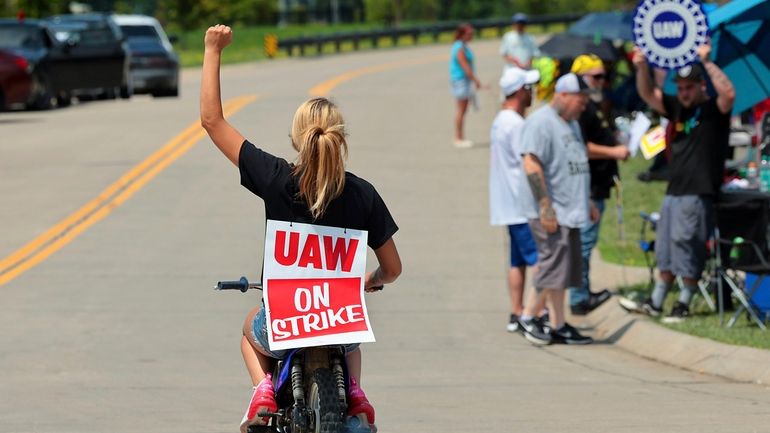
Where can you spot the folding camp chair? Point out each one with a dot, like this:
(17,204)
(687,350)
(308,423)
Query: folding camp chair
(743,240)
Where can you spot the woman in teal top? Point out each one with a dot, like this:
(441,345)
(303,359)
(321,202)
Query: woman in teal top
(461,74)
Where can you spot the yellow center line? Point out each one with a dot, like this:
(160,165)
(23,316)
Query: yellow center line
(113,196)
(121,190)
(323,89)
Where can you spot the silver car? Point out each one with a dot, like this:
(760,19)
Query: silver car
(154,64)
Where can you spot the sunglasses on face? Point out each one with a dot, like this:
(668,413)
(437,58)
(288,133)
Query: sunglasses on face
(598,76)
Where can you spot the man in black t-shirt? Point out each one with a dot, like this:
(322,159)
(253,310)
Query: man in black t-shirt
(697,136)
(599,134)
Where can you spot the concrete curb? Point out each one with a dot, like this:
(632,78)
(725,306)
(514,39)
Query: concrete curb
(639,335)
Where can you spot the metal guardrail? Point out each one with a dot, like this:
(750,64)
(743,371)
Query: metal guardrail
(302,43)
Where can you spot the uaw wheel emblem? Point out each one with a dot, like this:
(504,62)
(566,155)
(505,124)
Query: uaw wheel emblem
(670,31)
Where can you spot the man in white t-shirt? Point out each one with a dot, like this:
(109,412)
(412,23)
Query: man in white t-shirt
(507,184)
(518,47)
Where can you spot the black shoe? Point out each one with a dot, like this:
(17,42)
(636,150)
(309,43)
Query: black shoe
(569,335)
(513,323)
(679,313)
(534,333)
(650,309)
(593,302)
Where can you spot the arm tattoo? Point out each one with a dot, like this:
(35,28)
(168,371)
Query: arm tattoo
(537,184)
(721,82)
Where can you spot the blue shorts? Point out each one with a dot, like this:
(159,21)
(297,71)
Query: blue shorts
(259,332)
(461,89)
(523,247)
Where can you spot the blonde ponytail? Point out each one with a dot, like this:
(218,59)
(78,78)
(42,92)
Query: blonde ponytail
(318,135)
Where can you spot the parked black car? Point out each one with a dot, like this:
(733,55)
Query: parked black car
(98,54)
(154,65)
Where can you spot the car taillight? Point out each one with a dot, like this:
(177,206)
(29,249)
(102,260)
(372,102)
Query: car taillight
(21,62)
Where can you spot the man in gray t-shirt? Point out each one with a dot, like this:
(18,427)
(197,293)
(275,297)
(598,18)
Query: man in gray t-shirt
(556,167)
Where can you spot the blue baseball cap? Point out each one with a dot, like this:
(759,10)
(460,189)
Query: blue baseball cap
(520,18)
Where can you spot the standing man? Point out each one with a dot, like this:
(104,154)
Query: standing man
(506,181)
(604,151)
(518,47)
(697,135)
(556,166)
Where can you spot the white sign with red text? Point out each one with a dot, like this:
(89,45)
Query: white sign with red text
(313,285)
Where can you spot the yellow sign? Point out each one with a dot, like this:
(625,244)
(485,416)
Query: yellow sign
(653,142)
(271,45)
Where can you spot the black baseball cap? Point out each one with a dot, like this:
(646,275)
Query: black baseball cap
(691,72)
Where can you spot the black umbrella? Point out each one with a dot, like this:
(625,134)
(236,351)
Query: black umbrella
(568,46)
(608,25)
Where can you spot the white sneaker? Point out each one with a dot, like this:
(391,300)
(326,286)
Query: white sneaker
(463,144)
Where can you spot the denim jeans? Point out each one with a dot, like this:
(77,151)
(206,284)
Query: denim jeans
(589,236)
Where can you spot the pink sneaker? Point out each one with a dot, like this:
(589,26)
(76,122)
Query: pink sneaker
(358,404)
(263,398)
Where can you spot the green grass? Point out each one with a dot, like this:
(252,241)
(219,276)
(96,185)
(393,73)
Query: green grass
(248,42)
(705,323)
(637,196)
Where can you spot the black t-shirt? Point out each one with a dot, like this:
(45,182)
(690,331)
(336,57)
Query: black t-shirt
(359,207)
(698,146)
(596,128)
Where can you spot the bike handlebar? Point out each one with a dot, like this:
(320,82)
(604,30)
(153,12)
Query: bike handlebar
(243,285)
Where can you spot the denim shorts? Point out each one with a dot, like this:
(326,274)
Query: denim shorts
(461,89)
(259,332)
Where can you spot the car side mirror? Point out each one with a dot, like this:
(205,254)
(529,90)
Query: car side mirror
(173,39)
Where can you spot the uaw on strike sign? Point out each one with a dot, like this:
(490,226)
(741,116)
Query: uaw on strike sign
(313,285)
(670,31)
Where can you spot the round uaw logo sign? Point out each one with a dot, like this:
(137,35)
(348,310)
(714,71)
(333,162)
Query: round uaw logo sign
(670,31)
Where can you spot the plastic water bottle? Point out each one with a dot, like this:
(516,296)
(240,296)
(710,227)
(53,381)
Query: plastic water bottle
(764,175)
(735,251)
(752,175)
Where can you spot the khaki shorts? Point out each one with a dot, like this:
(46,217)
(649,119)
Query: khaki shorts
(558,257)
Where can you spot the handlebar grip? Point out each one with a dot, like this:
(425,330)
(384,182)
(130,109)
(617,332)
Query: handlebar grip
(242,285)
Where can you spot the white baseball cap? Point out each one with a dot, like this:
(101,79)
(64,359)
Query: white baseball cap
(514,79)
(571,83)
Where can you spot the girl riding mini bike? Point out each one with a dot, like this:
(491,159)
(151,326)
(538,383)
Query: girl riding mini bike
(315,191)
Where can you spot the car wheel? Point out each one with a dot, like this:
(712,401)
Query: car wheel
(169,92)
(63,100)
(126,91)
(2,101)
(42,99)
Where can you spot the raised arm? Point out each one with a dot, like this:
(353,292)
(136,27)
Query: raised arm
(534,170)
(226,138)
(649,93)
(722,84)
(389,266)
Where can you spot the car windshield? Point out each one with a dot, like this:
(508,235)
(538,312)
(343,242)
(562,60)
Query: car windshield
(132,31)
(83,33)
(20,37)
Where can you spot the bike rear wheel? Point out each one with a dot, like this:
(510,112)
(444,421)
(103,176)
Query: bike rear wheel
(323,401)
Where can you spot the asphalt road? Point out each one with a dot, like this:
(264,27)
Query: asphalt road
(109,323)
